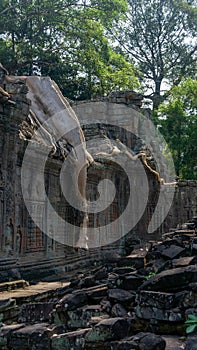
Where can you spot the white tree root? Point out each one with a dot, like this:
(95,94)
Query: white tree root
(141,155)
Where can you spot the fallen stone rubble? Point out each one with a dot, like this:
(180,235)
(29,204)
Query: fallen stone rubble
(138,302)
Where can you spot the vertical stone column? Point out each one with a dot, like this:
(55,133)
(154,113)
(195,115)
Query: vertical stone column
(12,111)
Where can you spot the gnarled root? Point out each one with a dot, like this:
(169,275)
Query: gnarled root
(4,93)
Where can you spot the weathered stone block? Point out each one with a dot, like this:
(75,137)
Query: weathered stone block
(156,326)
(150,341)
(120,295)
(172,280)
(137,258)
(119,311)
(184,261)
(141,341)
(5,333)
(80,318)
(130,281)
(36,337)
(63,315)
(72,301)
(160,300)
(172,252)
(110,329)
(35,312)
(151,312)
(71,340)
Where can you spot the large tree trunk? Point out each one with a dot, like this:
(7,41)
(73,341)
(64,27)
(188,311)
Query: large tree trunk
(157,98)
(57,125)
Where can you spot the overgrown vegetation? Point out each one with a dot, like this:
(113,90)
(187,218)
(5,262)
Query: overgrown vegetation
(150,275)
(92,47)
(160,36)
(178,124)
(65,40)
(191,324)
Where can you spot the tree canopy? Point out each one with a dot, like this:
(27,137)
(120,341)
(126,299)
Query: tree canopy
(65,39)
(178,124)
(91,47)
(160,35)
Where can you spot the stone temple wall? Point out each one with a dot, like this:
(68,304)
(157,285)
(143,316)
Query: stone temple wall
(184,206)
(24,250)
(126,116)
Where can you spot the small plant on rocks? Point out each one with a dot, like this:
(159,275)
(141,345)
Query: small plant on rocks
(150,275)
(191,324)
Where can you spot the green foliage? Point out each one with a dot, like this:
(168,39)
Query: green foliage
(150,275)
(76,43)
(191,324)
(160,36)
(66,40)
(178,124)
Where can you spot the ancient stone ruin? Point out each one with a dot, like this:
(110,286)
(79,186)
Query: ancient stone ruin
(134,293)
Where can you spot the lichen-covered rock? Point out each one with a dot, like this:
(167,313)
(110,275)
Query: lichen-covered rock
(35,312)
(159,306)
(107,330)
(172,280)
(81,317)
(71,340)
(160,300)
(72,301)
(151,312)
(5,332)
(34,337)
(141,341)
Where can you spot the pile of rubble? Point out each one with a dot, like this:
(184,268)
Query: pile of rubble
(139,301)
